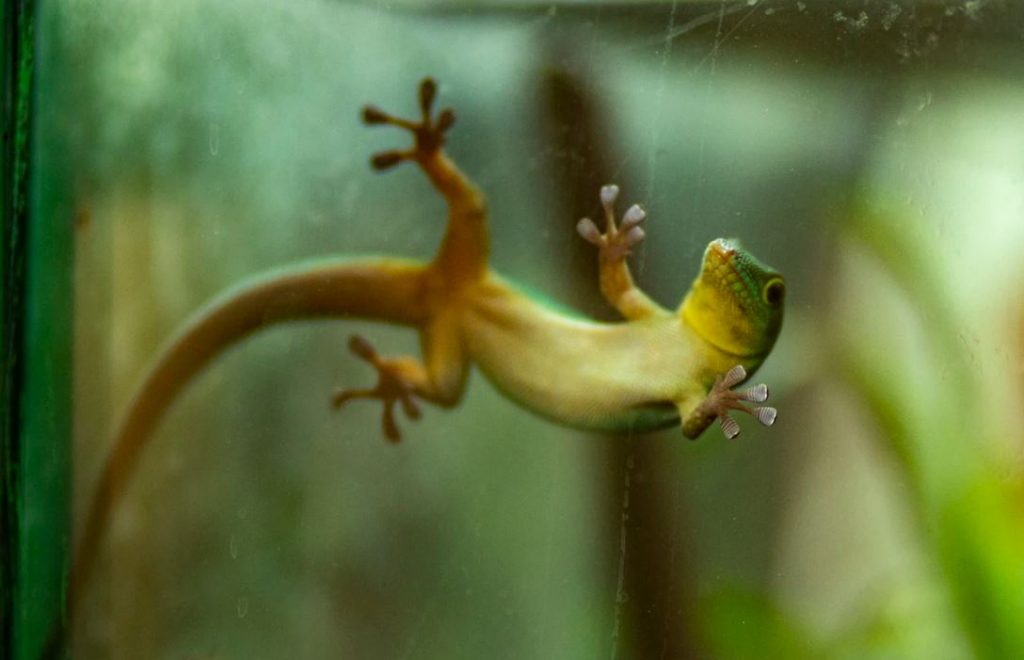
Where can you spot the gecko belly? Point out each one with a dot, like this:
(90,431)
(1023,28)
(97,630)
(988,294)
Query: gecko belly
(601,376)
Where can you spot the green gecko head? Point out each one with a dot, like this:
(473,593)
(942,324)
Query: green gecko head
(736,301)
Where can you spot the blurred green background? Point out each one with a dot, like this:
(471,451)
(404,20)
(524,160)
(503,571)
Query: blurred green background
(873,152)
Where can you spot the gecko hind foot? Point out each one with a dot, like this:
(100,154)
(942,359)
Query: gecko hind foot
(391,387)
(616,241)
(722,399)
(428,131)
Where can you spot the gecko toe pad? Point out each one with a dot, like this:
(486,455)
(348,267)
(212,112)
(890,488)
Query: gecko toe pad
(385,160)
(632,217)
(609,195)
(589,231)
(766,415)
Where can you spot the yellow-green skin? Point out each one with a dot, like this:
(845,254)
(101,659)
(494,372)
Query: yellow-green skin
(648,372)
(640,375)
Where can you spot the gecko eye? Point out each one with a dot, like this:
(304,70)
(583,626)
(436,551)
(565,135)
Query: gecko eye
(774,292)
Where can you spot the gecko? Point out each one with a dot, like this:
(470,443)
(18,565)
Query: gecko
(657,368)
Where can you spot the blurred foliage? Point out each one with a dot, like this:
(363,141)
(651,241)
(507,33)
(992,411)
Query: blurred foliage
(745,625)
(968,499)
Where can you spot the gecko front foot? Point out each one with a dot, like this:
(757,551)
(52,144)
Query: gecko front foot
(722,399)
(617,240)
(429,132)
(392,385)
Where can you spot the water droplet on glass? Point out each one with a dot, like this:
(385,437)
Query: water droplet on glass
(242,607)
(233,547)
(214,139)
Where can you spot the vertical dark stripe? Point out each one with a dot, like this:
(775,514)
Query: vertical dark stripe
(648,551)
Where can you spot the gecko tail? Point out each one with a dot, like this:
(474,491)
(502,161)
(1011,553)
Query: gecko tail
(384,289)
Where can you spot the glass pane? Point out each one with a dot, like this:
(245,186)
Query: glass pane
(871,153)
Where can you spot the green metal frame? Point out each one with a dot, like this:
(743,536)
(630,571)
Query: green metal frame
(35,330)
(12,195)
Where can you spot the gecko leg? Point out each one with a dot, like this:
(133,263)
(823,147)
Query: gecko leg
(722,399)
(464,251)
(614,246)
(440,379)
